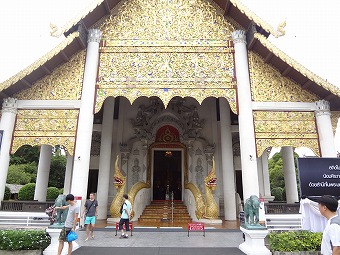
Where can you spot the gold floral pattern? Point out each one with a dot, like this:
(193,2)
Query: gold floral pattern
(277,129)
(268,85)
(335,116)
(65,83)
(186,50)
(52,127)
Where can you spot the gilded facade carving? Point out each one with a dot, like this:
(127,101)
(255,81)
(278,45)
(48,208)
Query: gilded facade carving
(167,94)
(268,85)
(335,116)
(167,20)
(65,83)
(52,127)
(297,66)
(185,50)
(277,129)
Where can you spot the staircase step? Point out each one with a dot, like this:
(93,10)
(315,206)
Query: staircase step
(160,211)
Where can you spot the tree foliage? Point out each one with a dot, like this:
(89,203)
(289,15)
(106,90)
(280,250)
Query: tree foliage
(27,192)
(57,172)
(277,182)
(24,165)
(52,193)
(22,174)
(7,194)
(25,154)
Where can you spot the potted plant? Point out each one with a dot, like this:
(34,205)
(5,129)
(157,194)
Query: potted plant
(28,242)
(295,242)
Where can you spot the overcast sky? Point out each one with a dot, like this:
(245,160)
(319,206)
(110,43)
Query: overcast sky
(312,36)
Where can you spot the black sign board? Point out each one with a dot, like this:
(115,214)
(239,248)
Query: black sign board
(319,176)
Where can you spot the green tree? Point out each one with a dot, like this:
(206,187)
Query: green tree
(25,154)
(17,175)
(7,194)
(277,183)
(57,172)
(27,192)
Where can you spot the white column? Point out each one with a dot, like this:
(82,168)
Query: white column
(245,117)
(264,180)
(228,175)
(85,123)
(9,111)
(289,174)
(266,177)
(260,175)
(325,131)
(43,173)
(105,158)
(68,174)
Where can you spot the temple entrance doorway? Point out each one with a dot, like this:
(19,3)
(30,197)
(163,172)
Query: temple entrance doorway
(167,174)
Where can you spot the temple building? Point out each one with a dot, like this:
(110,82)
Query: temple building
(168,99)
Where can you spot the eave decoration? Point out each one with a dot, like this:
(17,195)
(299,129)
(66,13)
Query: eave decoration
(185,51)
(278,129)
(51,127)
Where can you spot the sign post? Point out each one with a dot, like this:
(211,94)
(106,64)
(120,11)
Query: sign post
(196,226)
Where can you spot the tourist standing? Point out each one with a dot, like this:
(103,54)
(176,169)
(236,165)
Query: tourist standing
(125,217)
(70,222)
(330,244)
(90,212)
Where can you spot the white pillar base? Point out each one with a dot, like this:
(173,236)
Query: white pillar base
(52,249)
(254,243)
(268,198)
(112,220)
(211,221)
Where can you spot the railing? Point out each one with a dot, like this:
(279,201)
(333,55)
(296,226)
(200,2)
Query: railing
(281,208)
(25,206)
(172,206)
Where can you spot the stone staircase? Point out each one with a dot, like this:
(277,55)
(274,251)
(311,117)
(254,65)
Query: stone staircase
(160,211)
(24,219)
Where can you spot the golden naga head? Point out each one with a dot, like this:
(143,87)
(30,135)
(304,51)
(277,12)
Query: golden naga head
(211,180)
(118,177)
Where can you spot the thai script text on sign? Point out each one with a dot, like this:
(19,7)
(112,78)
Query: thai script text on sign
(196,227)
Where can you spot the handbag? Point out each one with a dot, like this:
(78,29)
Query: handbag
(72,236)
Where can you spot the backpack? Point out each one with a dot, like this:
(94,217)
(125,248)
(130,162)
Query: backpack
(121,208)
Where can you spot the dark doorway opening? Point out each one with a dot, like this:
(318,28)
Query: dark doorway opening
(92,183)
(167,175)
(239,187)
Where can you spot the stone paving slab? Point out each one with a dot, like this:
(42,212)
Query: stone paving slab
(163,239)
(157,251)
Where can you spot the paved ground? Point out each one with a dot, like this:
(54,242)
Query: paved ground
(156,251)
(161,242)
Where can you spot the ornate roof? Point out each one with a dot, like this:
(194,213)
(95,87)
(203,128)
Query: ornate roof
(296,65)
(236,3)
(234,10)
(40,62)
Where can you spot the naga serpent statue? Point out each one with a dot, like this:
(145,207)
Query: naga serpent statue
(119,181)
(133,192)
(211,209)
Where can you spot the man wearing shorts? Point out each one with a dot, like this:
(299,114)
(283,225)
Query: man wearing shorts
(91,212)
(70,222)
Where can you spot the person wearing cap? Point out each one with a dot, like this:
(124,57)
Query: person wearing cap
(330,244)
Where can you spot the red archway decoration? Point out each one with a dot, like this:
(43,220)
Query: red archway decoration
(167,134)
